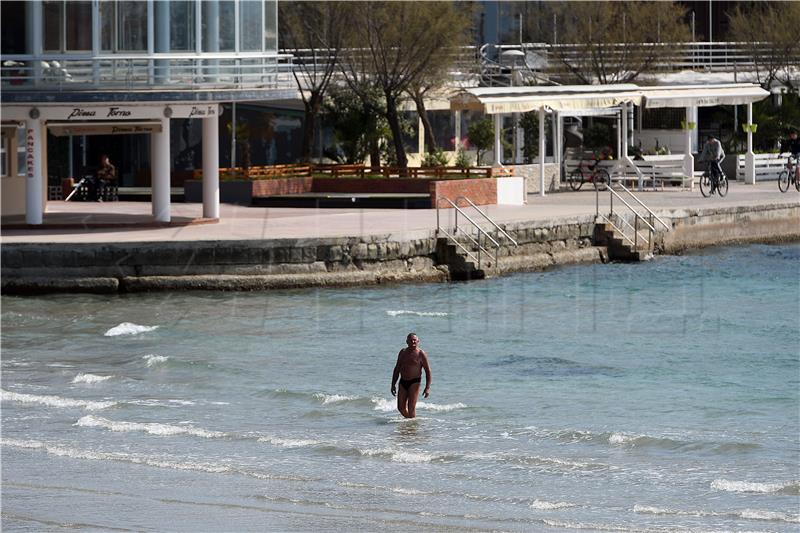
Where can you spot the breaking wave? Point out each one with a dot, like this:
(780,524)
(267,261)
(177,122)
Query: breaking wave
(786,487)
(148,427)
(388,406)
(152,360)
(90,378)
(128,328)
(400,312)
(54,401)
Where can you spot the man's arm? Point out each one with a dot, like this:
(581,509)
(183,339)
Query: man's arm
(427,368)
(396,374)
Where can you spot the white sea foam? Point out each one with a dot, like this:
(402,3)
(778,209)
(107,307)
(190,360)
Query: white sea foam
(747,514)
(54,401)
(387,406)
(621,438)
(550,506)
(747,486)
(409,492)
(153,360)
(90,378)
(289,443)
(148,427)
(334,398)
(114,456)
(755,514)
(400,312)
(128,328)
(399,456)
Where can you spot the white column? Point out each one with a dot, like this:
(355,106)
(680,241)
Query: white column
(160,172)
(458,130)
(420,138)
(210,167)
(623,154)
(688,158)
(211,19)
(35,32)
(542,151)
(162,43)
(696,130)
(34,181)
(498,145)
(556,123)
(519,133)
(750,157)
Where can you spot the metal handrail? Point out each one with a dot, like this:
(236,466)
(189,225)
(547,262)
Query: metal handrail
(650,211)
(649,224)
(480,230)
(492,222)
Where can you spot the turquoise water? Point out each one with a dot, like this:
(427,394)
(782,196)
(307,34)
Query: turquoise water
(651,397)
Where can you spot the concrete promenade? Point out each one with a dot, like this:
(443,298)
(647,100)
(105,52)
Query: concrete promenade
(255,223)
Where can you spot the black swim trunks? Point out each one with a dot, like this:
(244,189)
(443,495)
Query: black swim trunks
(406,383)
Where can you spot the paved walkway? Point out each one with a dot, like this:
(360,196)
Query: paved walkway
(244,223)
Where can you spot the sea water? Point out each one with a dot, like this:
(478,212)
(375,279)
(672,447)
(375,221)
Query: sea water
(626,397)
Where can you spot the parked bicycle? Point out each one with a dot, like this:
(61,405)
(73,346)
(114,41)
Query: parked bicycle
(713,181)
(789,175)
(591,173)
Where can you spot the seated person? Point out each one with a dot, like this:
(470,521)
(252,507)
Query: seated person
(105,174)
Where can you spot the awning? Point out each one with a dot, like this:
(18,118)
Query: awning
(61,129)
(493,100)
(702,95)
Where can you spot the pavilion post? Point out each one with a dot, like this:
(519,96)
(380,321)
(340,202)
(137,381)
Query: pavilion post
(160,172)
(688,158)
(542,151)
(210,167)
(498,145)
(750,157)
(34,180)
(457,139)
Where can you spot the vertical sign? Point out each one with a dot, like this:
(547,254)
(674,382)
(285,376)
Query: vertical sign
(29,148)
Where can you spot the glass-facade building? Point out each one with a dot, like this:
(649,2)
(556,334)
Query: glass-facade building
(81,78)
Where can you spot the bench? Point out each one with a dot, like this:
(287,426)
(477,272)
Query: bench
(768,166)
(661,169)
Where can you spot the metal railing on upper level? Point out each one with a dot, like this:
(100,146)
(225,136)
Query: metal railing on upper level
(76,72)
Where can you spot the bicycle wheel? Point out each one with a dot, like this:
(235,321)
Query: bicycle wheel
(575,180)
(797,184)
(601,179)
(722,185)
(783,181)
(705,185)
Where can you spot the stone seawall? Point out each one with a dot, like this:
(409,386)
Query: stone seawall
(348,261)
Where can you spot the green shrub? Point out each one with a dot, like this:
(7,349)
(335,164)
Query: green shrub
(437,158)
(462,159)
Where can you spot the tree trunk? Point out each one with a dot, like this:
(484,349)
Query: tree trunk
(312,107)
(430,140)
(397,133)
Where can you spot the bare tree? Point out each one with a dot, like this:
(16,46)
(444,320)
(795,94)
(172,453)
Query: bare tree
(395,46)
(614,42)
(770,33)
(316,30)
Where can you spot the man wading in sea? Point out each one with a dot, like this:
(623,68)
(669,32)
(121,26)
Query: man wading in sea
(410,362)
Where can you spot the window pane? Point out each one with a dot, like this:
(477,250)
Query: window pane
(79,25)
(13,29)
(132,26)
(52,13)
(181,28)
(271,25)
(107,10)
(218,26)
(250,25)
(3,156)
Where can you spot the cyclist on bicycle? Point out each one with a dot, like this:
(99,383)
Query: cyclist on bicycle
(713,154)
(792,145)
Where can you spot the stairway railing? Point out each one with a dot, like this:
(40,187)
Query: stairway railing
(647,221)
(480,248)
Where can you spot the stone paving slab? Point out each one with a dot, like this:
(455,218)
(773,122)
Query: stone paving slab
(259,223)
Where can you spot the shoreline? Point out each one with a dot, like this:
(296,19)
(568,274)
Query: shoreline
(254,265)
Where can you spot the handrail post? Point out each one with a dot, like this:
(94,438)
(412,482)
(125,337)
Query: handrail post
(479,250)
(636,230)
